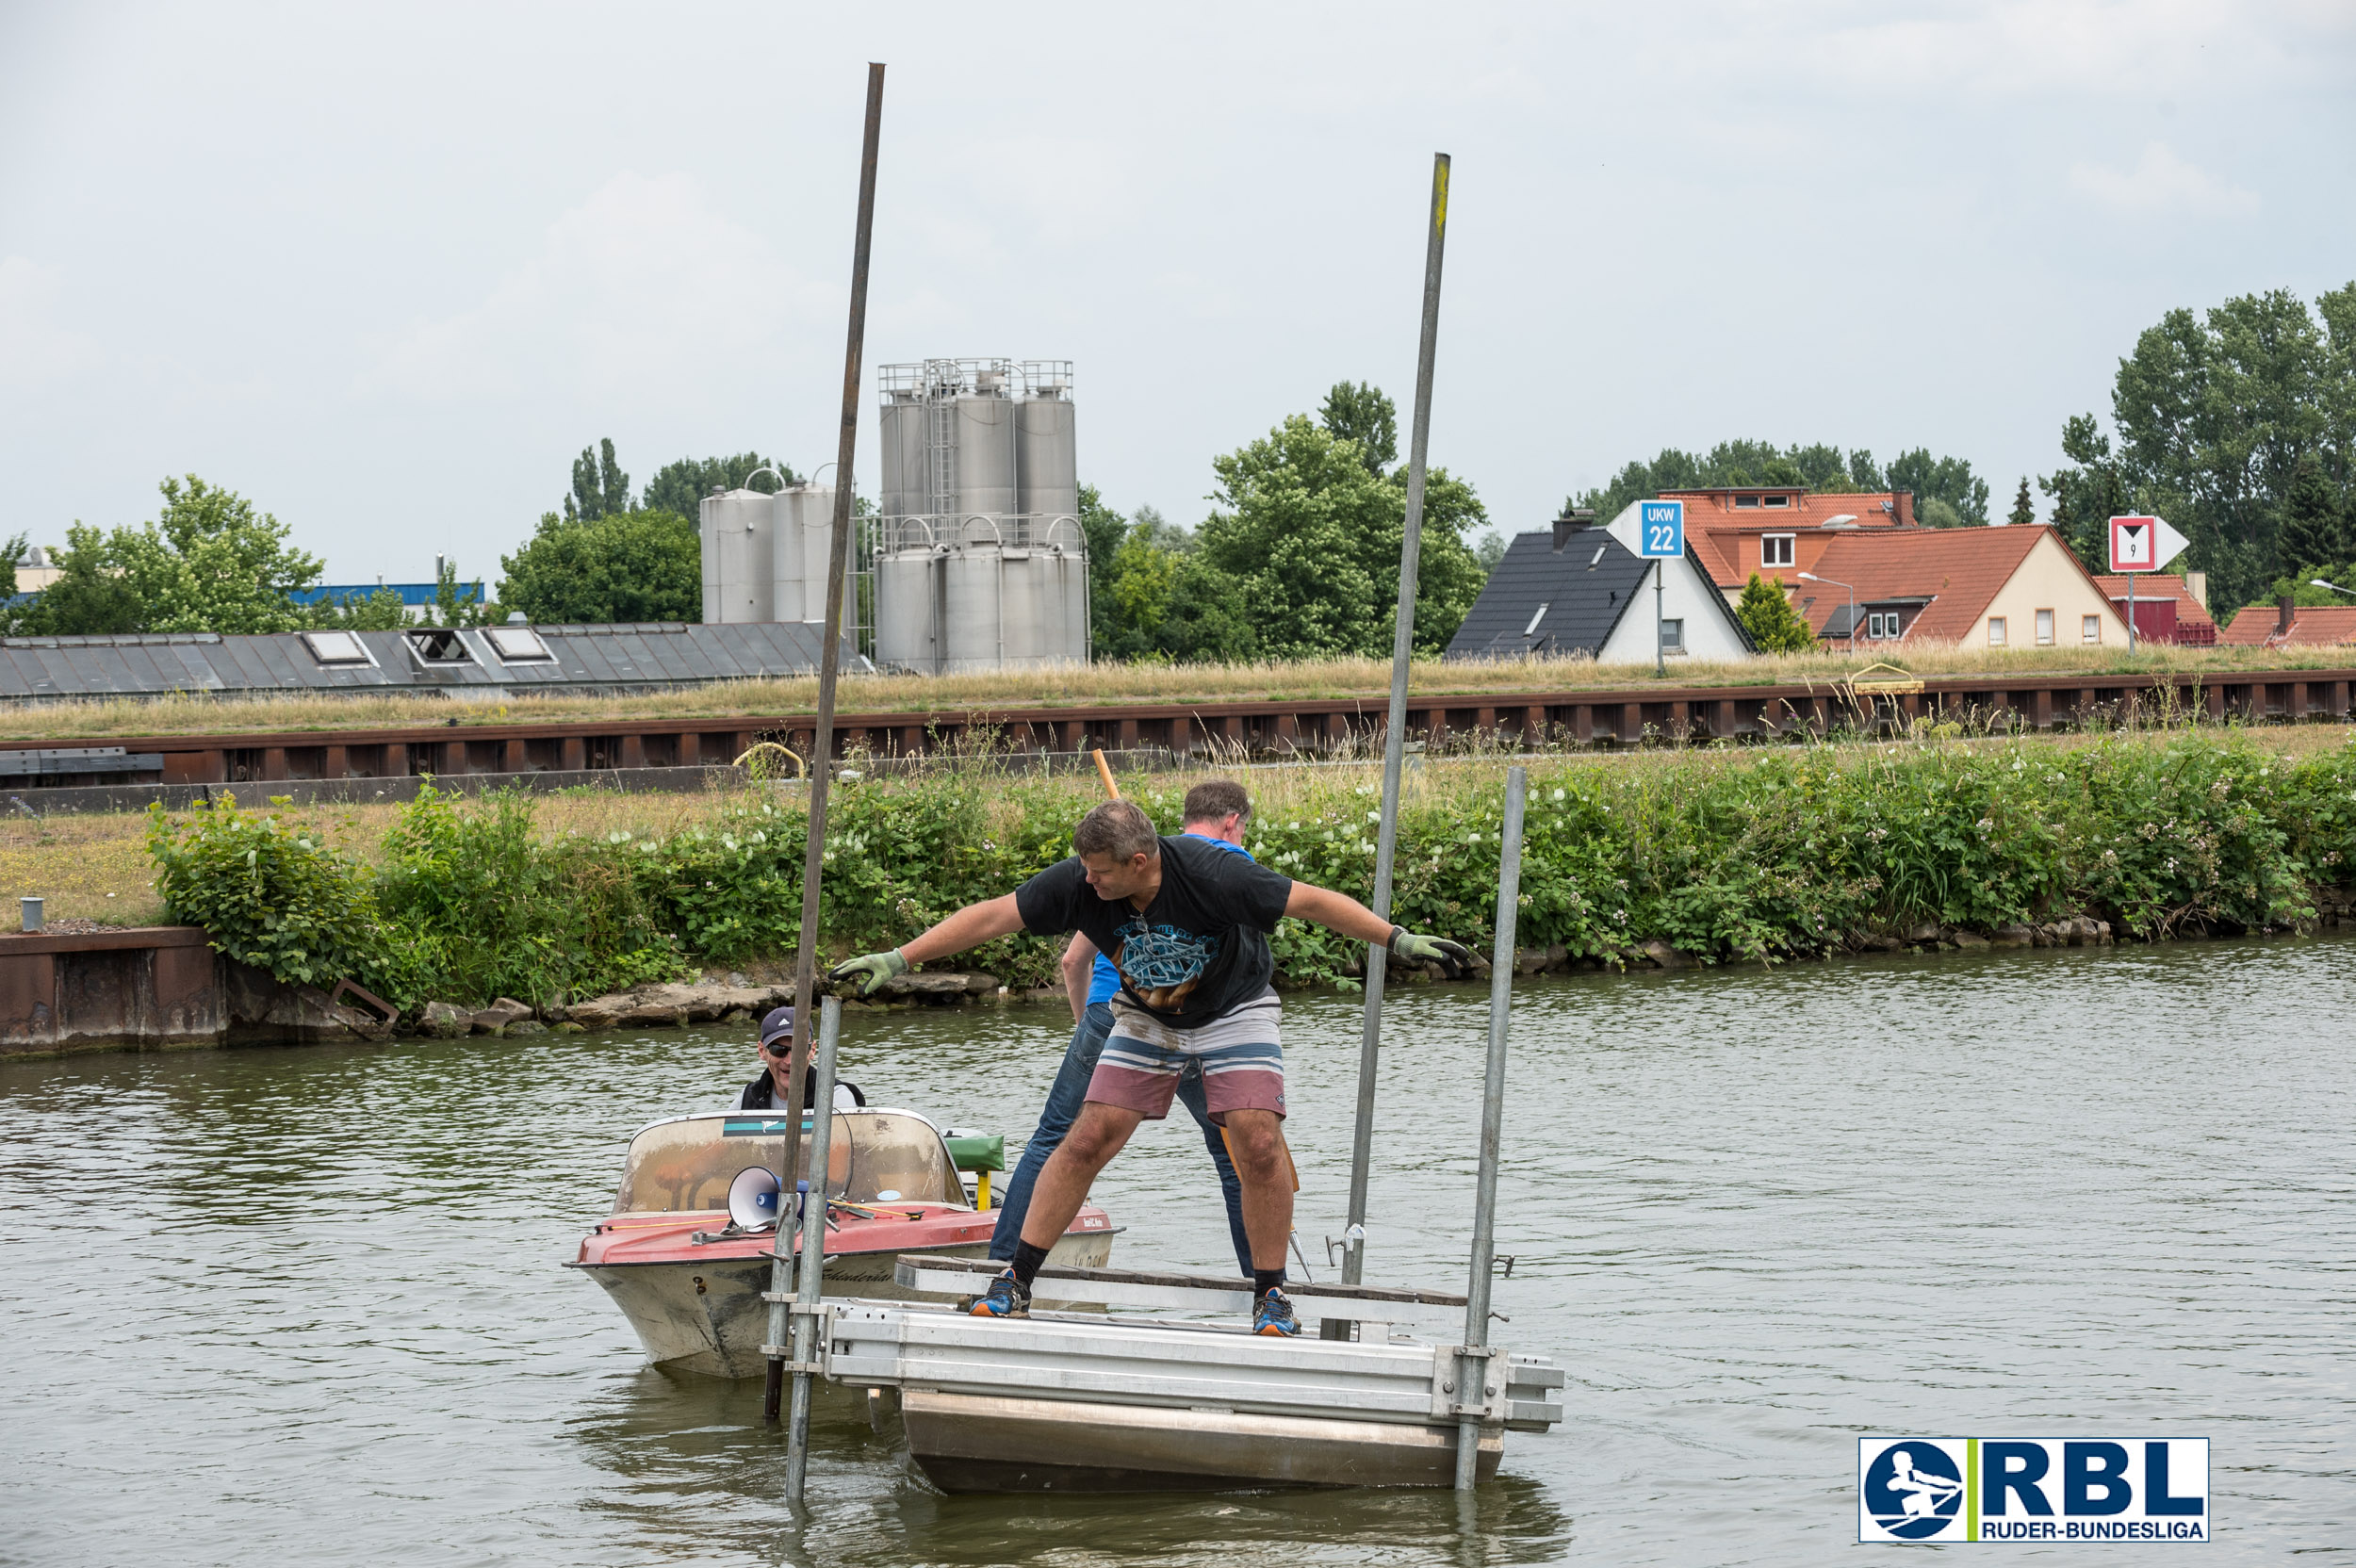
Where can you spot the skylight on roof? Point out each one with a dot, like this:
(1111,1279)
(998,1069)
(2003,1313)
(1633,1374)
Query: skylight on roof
(336,647)
(518,644)
(1535,619)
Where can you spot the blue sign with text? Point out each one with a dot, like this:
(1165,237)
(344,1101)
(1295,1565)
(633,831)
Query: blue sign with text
(1662,527)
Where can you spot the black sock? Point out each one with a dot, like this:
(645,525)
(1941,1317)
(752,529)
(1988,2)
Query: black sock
(1026,1261)
(1266,1280)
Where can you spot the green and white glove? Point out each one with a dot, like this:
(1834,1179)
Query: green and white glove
(1408,948)
(865,974)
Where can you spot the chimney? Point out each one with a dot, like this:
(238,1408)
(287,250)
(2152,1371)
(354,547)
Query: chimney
(1570,523)
(2196,585)
(2285,615)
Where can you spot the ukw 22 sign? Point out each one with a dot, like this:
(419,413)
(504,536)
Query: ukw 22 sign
(2033,1489)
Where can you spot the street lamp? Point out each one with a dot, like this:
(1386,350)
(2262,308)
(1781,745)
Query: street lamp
(1831,583)
(2319,582)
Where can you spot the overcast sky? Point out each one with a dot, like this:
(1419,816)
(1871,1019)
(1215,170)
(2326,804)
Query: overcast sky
(386,270)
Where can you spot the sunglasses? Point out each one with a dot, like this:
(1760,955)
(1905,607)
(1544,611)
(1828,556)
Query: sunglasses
(779,1048)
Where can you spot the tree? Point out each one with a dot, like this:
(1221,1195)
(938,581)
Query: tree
(1820,468)
(381,611)
(2214,413)
(2087,494)
(1766,614)
(1311,535)
(2023,510)
(1359,412)
(680,487)
(2313,532)
(1103,529)
(624,566)
(601,489)
(1489,550)
(208,563)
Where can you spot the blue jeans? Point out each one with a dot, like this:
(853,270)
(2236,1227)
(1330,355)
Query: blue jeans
(1063,1108)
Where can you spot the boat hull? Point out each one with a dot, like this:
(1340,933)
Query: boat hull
(706,1316)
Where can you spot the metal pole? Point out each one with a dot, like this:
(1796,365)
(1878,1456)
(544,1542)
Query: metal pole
(2130,610)
(813,1260)
(1660,620)
(1394,741)
(829,662)
(1474,1374)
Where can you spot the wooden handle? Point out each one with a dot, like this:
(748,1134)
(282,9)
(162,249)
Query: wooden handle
(1104,772)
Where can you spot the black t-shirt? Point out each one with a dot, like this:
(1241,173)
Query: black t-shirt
(1198,949)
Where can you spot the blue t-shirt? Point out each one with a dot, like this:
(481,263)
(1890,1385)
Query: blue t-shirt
(1105,980)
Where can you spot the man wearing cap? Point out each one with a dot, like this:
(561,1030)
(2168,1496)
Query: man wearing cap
(770,1092)
(1187,924)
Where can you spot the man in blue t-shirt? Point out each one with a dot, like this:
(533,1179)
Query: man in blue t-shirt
(1217,812)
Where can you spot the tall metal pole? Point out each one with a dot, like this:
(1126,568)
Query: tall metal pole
(808,1292)
(1395,738)
(1474,1372)
(829,663)
(1660,619)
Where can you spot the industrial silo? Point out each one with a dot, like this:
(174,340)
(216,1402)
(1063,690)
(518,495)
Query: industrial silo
(800,540)
(1047,471)
(980,562)
(736,527)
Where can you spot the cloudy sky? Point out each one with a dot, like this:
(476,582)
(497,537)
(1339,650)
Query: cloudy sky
(386,270)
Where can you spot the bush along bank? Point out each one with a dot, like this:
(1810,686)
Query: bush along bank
(1719,858)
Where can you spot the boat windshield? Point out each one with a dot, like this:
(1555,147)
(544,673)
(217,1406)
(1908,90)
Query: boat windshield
(874,1156)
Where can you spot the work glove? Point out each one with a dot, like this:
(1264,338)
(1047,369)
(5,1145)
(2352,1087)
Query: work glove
(1408,948)
(867,972)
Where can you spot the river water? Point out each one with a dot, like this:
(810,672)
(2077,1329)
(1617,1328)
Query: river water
(304,1305)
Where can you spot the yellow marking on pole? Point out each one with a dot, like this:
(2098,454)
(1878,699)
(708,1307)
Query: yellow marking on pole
(1439,192)
(981,1193)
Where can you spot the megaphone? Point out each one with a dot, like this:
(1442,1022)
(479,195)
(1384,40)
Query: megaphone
(753,1199)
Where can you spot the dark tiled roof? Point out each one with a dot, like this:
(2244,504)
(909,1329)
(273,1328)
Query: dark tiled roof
(1585,587)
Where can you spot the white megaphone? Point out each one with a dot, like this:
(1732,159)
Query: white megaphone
(753,1199)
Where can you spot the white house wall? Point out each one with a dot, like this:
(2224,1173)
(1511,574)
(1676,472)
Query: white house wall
(1688,595)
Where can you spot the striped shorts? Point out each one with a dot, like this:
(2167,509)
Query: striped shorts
(1240,1056)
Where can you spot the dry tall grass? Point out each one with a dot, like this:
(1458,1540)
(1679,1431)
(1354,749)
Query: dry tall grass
(1088,684)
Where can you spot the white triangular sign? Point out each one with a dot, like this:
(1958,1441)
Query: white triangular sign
(2167,543)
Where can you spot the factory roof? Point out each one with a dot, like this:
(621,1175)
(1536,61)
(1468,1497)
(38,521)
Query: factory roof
(554,658)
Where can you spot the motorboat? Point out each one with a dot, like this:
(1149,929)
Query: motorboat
(688,1267)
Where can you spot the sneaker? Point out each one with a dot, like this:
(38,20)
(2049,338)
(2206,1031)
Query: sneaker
(1275,1316)
(1007,1296)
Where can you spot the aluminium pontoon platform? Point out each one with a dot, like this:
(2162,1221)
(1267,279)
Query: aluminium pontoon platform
(1099,1401)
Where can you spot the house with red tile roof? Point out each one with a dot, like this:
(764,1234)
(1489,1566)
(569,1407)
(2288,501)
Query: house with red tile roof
(2001,587)
(1776,530)
(2168,608)
(2287,626)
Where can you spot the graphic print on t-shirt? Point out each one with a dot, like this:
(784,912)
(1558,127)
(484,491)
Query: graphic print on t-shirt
(1162,963)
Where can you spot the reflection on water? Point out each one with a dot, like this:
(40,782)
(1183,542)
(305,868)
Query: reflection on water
(306,1302)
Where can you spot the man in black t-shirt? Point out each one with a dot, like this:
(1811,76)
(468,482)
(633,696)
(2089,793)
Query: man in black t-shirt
(1187,924)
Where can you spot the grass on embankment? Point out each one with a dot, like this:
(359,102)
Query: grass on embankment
(1066,686)
(1733,855)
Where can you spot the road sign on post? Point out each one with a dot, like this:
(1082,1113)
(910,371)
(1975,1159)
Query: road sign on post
(1661,539)
(2144,544)
(2141,544)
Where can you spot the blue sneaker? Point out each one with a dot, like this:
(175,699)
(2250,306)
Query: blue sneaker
(1007,1296)
(1275,1316)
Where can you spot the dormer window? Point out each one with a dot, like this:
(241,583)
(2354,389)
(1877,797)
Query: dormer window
(1747,500)
(1774,501)
(1775,549)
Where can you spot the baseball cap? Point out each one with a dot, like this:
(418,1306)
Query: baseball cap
(777,1026)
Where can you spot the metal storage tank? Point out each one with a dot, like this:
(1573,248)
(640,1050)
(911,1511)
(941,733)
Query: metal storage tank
(1066,616)
(1047,470)
(736,530)
(973,581)
(985,453)
(800,539)
(902,443)
(907,607)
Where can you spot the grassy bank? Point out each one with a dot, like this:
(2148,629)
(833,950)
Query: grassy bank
(1110,684)
(1731,856)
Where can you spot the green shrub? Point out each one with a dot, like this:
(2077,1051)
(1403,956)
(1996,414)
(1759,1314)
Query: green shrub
(269,893)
